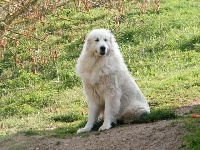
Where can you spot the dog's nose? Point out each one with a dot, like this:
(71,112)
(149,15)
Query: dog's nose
(102,50)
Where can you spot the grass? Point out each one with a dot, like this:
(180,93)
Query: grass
(191,126)
(161,51)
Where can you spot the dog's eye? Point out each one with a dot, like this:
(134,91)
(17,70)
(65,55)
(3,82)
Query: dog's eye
(97,40)
(105,40)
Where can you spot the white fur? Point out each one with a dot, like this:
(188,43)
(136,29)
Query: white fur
(111,92)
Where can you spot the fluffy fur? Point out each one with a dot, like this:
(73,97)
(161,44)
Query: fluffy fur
(111,92)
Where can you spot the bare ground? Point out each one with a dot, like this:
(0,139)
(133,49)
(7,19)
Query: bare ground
(161,135)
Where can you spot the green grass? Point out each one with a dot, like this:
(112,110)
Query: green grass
(161,50)
(191,127)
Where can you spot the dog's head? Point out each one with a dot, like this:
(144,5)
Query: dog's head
(99,42)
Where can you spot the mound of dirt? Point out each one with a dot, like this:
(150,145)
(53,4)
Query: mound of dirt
(152,136)
(162,135)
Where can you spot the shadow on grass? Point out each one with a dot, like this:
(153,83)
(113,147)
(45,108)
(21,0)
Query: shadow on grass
(190,44)
(60,132)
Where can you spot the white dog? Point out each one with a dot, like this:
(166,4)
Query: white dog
(111,92)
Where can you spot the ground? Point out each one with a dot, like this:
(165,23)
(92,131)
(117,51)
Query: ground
(161,135)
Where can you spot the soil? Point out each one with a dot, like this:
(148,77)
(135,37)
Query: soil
(161,135)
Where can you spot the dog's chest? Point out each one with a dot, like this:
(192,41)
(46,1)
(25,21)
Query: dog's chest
(105,84)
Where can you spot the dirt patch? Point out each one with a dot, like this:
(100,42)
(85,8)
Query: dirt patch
(161,135)
(155,136)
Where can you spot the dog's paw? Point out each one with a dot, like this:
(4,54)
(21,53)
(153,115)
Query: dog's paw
(82,130)
(104,127)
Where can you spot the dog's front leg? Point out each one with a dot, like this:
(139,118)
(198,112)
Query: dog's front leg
(112,105)
(92,116)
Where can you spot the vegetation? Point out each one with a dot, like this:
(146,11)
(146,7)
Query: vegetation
(40,92)
(191,125)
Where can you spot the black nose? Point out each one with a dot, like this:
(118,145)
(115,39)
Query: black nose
(102,50)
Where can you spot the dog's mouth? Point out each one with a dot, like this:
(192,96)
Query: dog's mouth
(102,53)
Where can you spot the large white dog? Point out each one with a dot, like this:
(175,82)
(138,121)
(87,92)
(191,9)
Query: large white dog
(111,92)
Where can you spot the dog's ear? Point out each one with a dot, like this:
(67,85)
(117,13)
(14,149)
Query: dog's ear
(88,39)
(112,37)
(109,31)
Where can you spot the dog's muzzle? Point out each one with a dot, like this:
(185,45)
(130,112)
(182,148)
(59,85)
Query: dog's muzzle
(102,50)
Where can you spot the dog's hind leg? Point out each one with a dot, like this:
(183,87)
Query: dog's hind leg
(132,114)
